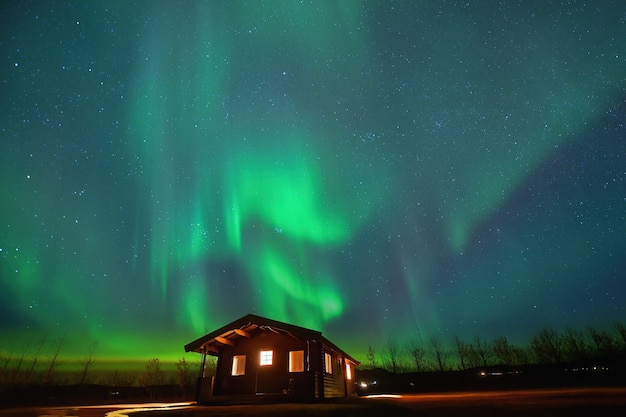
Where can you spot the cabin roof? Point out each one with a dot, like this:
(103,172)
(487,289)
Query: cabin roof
(249,326)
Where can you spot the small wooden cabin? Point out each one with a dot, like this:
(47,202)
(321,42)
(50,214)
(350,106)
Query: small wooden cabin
(259,356)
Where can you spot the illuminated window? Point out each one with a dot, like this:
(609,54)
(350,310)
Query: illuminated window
(239,365)
(266,357)
(296,361)
(328,363)
(348,372)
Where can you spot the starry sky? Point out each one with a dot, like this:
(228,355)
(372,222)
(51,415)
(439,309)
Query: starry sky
(376,170)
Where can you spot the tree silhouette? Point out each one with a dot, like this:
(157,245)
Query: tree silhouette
(183,375)
(4,377)
(463,351)
(371,356)
(416,353)
(54,361)
(503,351)
(482,350)
(152,376)
(18,366)
(575,345)
(439,352)
(547,346)
(621,331)
(392,355)
(604,343)
(87,363)
(33,363)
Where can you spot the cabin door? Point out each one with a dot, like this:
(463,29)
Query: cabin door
(269,378)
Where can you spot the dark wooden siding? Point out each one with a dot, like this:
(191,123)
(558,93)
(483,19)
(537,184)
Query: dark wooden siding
(334,381)
(272,379)
(350,383)
(333,387)
(313,383)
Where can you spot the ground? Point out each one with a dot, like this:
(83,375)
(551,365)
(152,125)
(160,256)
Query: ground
(570,402)
(538,403)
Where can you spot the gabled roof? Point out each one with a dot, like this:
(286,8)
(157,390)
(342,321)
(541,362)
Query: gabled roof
(249,326)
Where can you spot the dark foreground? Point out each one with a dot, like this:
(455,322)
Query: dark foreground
(536,403)
(596,401)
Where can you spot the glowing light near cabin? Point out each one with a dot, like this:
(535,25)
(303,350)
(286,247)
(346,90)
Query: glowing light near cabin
(328,363)
(239,365)
(296,361)
(266,357)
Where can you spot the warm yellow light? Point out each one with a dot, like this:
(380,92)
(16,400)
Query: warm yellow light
(296,361)
(267,357)
(328,363)
(239,365)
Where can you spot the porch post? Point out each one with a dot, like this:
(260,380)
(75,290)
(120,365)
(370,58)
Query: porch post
(203,365)
(201,377)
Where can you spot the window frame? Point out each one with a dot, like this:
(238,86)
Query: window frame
(296,357)
(328,363)
(238,367)
(266,357)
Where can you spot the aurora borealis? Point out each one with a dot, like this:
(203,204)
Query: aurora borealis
(374,170)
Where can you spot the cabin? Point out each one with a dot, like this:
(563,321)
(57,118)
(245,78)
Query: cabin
(257,356)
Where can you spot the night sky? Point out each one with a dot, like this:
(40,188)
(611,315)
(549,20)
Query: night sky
(379,171)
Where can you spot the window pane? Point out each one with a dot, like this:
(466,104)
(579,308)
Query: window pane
(239,365)
(266,357)
(328,363)
(296,361)
(348,372)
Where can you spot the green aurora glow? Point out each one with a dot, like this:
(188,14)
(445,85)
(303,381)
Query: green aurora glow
(372,170)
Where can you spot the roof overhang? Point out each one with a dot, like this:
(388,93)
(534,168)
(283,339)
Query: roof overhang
(250,326)
(246,327)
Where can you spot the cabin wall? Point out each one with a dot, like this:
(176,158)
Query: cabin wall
(351,383)
(317,369)
(334,386)
(270,379)
(337,383)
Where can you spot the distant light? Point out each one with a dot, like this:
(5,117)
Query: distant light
(494,373)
